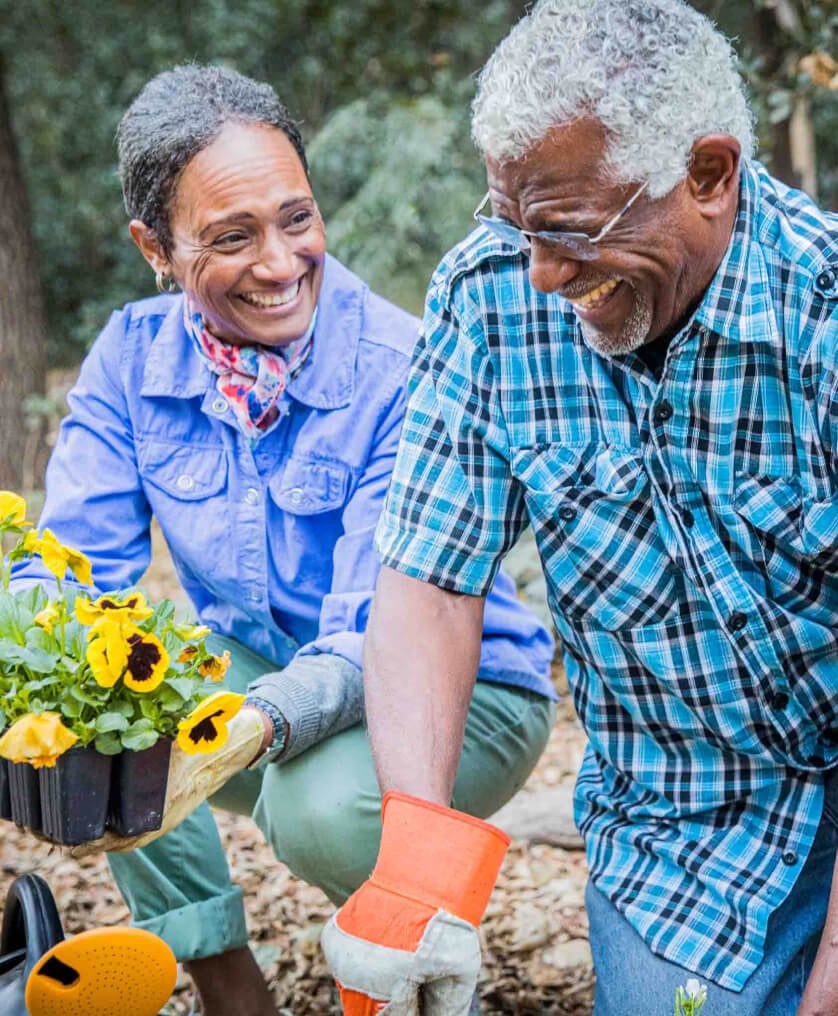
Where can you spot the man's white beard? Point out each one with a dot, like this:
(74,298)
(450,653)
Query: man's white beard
(632,335)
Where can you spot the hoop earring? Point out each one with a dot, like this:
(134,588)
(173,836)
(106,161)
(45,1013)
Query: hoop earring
(165,283)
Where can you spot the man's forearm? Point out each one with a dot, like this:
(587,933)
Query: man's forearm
(421,654)
(821,995)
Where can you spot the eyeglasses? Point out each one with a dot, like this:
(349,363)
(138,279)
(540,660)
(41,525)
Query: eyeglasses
(578,246)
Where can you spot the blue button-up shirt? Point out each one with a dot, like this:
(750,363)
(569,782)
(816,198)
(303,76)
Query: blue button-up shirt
(688,528)
(273,543)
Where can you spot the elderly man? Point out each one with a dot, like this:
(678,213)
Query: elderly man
(635,353)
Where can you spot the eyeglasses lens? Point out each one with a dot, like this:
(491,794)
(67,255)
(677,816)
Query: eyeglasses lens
(576,246)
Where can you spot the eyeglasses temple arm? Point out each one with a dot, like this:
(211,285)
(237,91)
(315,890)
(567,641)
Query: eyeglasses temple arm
(619,215)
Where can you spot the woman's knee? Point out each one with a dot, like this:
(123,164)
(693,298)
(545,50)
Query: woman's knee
(322,821)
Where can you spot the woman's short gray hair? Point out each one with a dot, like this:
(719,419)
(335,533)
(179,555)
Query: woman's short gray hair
(178,114)
(657,74)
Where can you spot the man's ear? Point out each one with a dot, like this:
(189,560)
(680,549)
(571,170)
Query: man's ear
(149,246)
(713,175)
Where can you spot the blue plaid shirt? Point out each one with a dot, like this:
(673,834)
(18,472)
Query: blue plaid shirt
(688,529)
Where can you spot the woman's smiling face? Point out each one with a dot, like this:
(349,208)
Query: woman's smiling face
(248,243)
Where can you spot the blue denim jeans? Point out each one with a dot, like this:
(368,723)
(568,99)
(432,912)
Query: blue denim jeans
(632,979)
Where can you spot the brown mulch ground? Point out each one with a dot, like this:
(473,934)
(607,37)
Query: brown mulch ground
(535,949)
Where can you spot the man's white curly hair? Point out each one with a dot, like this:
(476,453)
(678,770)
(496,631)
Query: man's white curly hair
(656,74)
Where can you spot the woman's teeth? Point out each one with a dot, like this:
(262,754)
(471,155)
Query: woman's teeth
(276,299)
(596,296)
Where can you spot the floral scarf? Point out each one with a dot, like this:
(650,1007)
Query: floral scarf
(251,378)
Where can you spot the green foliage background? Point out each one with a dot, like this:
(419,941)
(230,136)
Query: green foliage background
(382,88)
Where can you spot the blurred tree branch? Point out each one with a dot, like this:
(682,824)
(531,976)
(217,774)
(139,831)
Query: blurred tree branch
(22,327)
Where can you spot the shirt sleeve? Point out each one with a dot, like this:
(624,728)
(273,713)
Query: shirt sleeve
(94,497)
(453,509)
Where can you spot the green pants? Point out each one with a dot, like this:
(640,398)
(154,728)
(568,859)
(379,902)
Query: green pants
(320,812)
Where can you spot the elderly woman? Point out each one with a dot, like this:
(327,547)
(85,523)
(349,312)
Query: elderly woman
(254,409)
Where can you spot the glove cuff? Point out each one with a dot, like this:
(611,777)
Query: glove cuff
(441,857)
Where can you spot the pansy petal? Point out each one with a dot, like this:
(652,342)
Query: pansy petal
(205,729)
(215,667)
(38,739)
(80,566)
(147,661)
(12,509)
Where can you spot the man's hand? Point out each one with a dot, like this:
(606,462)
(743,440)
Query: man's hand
(413,925)
(193,779)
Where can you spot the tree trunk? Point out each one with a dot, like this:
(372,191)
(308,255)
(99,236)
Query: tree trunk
(22,323)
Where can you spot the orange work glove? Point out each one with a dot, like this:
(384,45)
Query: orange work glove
(413,924)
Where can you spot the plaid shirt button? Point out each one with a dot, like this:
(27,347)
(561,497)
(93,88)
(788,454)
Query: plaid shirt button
(779,700)
(737,621)
(826,280)
(789,857)
(663,411)
(567,513)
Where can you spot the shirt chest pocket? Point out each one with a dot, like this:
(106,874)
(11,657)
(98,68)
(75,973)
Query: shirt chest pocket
(591,510)
(186,487)
(795,537)
(309,486)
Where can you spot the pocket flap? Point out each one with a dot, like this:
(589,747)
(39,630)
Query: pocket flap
(184,472)
(310,486)
(771,504)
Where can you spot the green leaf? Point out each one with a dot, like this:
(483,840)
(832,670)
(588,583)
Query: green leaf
(123,707)
(140,740)
(106,722)
(37,684)
(34,659)
(140,726)
(70,707)
(34,599)
(169,701)
(164,611)
(37,638)
(89,697)
(108,743)
(184,687)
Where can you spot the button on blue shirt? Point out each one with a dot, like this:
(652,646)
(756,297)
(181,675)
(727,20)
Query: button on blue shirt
(688,528)
(273,544)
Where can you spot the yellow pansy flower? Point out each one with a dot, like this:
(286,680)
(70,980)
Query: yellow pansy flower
(132,608)
(107,653)
(47,617)
(147,661)
(205,729)
(215,667)
(187,653)
(57,558)
(37,739)
(12,509)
